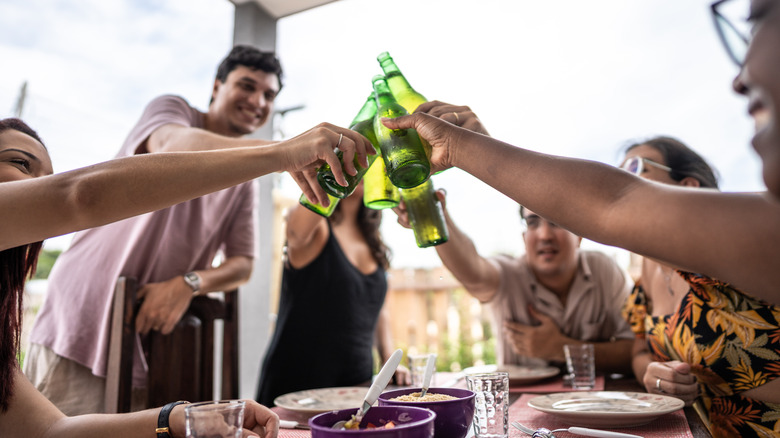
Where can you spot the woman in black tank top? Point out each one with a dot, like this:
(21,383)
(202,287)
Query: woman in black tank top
(333,291)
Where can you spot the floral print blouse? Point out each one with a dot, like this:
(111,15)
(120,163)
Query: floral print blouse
(731,340)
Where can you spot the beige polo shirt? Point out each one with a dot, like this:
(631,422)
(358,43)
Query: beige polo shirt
(593,307)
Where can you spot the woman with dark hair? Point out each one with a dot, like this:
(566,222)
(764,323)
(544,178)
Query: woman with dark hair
(661,289)
(331,309)
(34,205)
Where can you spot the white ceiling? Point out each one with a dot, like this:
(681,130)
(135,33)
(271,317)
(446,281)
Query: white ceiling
(282,8)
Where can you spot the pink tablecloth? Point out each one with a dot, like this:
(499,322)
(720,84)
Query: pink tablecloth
(671,425)
(286,414)
(553,384)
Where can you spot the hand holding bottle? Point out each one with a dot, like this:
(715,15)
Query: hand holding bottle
(403,213)
(307,151)
(459,115)
(442,136)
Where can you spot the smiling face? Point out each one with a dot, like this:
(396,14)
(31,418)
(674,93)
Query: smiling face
(243,103)
(759,81)
(22,157)
(551,250)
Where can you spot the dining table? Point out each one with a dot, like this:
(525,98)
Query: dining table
(683,423)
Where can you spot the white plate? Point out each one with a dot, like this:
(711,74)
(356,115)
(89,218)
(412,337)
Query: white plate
(316,401)
(518,374)
(606,408)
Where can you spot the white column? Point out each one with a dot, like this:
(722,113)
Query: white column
(255,27)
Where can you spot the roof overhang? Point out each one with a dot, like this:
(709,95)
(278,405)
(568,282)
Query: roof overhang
(282,8)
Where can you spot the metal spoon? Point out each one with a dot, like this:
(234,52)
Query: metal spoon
(547,433)
(430,365)
(380,382)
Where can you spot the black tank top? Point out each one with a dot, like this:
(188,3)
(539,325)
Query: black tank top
(325,327)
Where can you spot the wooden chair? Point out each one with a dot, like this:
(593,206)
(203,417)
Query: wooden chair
(181,364)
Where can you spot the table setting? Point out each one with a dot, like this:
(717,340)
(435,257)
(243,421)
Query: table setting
(506,401)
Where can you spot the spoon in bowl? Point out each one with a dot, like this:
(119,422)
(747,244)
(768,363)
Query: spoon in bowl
(430,365)
(380,382)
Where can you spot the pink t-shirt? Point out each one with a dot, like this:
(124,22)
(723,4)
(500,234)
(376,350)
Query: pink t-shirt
(593,306)
(75,319)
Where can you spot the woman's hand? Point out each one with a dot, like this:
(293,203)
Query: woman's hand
(260,421)
(458,115)
(671,378)
(308,151)
(440,134)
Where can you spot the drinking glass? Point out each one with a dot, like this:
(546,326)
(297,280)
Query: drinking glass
(215,419)
(581,364)
(491,416)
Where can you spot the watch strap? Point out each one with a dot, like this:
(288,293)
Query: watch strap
(163,428)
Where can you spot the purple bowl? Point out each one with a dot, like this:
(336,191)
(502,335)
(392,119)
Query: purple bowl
(453,417)
(410,422)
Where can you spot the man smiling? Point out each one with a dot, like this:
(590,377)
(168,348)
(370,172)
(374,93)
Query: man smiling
(170,252)
(554,294)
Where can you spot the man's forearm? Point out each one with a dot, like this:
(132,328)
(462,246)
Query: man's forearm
(460,257)
(177,138)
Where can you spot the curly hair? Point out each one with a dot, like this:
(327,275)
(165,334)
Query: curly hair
(16,266)
(252,58)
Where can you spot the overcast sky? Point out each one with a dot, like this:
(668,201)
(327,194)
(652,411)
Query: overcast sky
(568,77)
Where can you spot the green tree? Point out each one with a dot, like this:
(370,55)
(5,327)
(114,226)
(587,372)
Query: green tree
(45,263)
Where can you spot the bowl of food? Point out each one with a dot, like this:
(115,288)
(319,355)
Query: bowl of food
(379,422)
(454,408)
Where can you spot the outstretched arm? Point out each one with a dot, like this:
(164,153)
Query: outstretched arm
(459,255)
(31,415)
(34,209)
(732,237)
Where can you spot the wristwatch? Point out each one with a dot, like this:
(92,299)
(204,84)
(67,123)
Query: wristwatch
(193,281)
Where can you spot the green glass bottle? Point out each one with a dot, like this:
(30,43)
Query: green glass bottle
(406,162)
(399,86)
(363,123)
(404,94)
(425,215)
(319,208)
(378,191)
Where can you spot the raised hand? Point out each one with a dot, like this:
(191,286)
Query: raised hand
(459,115)
(307,151)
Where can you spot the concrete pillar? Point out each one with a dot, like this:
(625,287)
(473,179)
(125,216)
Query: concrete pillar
(255,27)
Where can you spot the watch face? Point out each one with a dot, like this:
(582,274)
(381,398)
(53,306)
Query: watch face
(192,280)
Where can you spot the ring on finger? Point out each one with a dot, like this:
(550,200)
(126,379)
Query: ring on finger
(658,385)
(341,136)
(457,118)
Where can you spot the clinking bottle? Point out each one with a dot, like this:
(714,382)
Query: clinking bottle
(399,86)
(378,191)
(406,162)
(425,215)
(403,92)
(363,123)
(319,208)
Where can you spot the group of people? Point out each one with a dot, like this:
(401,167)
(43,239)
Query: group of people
(701,324)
